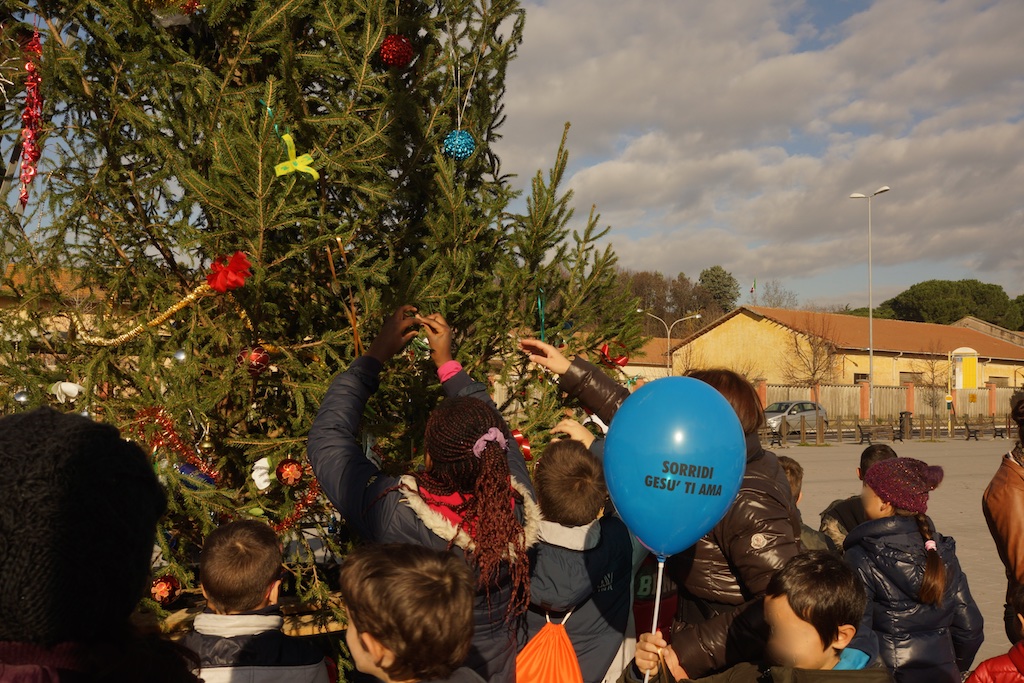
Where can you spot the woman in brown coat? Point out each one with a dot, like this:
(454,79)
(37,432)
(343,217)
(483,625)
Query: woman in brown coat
(1003,504)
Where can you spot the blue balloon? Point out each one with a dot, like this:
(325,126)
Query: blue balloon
(674,460)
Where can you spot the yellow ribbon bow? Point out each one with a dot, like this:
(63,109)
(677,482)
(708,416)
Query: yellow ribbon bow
(293,164)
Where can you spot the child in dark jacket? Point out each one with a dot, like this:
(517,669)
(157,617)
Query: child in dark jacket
(812,605)
(410,613)
(581,567)
(474,495)
(239,635)
(919,604)
(843,516)
(1008,668)
(810,539)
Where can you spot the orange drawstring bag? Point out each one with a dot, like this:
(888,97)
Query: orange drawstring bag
(549,656)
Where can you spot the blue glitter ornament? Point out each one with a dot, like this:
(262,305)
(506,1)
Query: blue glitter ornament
(459,145)
(194,473)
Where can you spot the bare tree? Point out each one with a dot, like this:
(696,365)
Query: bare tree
(774,295)
(686,358)
(932,377)
(811,358)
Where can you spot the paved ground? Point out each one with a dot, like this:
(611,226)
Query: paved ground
(830,473)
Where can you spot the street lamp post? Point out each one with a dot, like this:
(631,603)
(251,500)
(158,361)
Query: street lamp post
(668,335)
(871,327)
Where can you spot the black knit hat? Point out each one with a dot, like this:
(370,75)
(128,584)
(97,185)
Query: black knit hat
(78,513)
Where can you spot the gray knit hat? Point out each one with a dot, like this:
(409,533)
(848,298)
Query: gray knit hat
(78,513)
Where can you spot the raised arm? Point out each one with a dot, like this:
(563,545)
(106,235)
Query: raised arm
(351,482)
(581,380)
(456,382)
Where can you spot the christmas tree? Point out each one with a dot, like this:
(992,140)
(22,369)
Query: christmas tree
(232,195)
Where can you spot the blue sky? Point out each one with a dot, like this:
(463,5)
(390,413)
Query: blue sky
(733,133)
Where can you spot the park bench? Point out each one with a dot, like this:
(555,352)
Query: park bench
(971,430)
(774,436)
(871,433)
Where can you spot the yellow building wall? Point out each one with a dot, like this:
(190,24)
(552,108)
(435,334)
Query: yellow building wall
(888,367)
(754,348)
(760,348)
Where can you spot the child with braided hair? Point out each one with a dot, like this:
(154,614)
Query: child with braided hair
(474,495)
(919,604)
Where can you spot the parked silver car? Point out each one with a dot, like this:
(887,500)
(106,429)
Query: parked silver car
(793,411)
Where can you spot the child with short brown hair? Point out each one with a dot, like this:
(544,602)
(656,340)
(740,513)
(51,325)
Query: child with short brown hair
(239,635)
(582,565)
(812,606)
(810,539)
(410,613)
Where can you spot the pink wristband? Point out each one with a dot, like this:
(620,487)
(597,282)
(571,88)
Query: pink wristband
(449,370)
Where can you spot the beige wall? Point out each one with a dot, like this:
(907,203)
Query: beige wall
(764,349)
(752,348)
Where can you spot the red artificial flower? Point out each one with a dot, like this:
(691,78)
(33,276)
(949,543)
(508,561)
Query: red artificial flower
(228,275)
(291,473)
(161,591)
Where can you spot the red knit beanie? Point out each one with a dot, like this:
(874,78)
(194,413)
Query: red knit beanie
(904,482)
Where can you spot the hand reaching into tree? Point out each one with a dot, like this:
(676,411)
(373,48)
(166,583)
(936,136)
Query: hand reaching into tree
(575,431)
(395,334)
(545,355)
(440,337)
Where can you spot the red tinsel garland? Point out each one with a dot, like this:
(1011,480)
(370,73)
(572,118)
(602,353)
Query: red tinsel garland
(300,507)
(166,436)
(31,117)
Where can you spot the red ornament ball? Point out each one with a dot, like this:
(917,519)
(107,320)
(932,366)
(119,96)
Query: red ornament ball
(290,472)
(256,359)
(396,51)
(165,589)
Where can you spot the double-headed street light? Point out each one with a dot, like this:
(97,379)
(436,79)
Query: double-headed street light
(668,334)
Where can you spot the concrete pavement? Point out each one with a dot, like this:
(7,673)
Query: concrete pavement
(830,473)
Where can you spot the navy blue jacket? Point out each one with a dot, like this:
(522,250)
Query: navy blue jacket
(586,570)
(919,643)
(383,509)
(251,647)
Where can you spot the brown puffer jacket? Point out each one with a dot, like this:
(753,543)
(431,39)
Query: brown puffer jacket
(722,578)
(1003,505)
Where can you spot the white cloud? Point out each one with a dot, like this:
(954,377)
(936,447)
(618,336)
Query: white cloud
(704,135)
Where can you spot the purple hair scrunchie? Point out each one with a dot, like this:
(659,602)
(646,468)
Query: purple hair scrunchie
(493,434)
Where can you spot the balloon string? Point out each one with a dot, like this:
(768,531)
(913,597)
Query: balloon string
(657,605)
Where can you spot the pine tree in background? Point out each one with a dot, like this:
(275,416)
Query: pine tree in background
(177,134)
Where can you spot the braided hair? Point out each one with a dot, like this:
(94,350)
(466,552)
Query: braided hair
(453,428)
(933,583)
